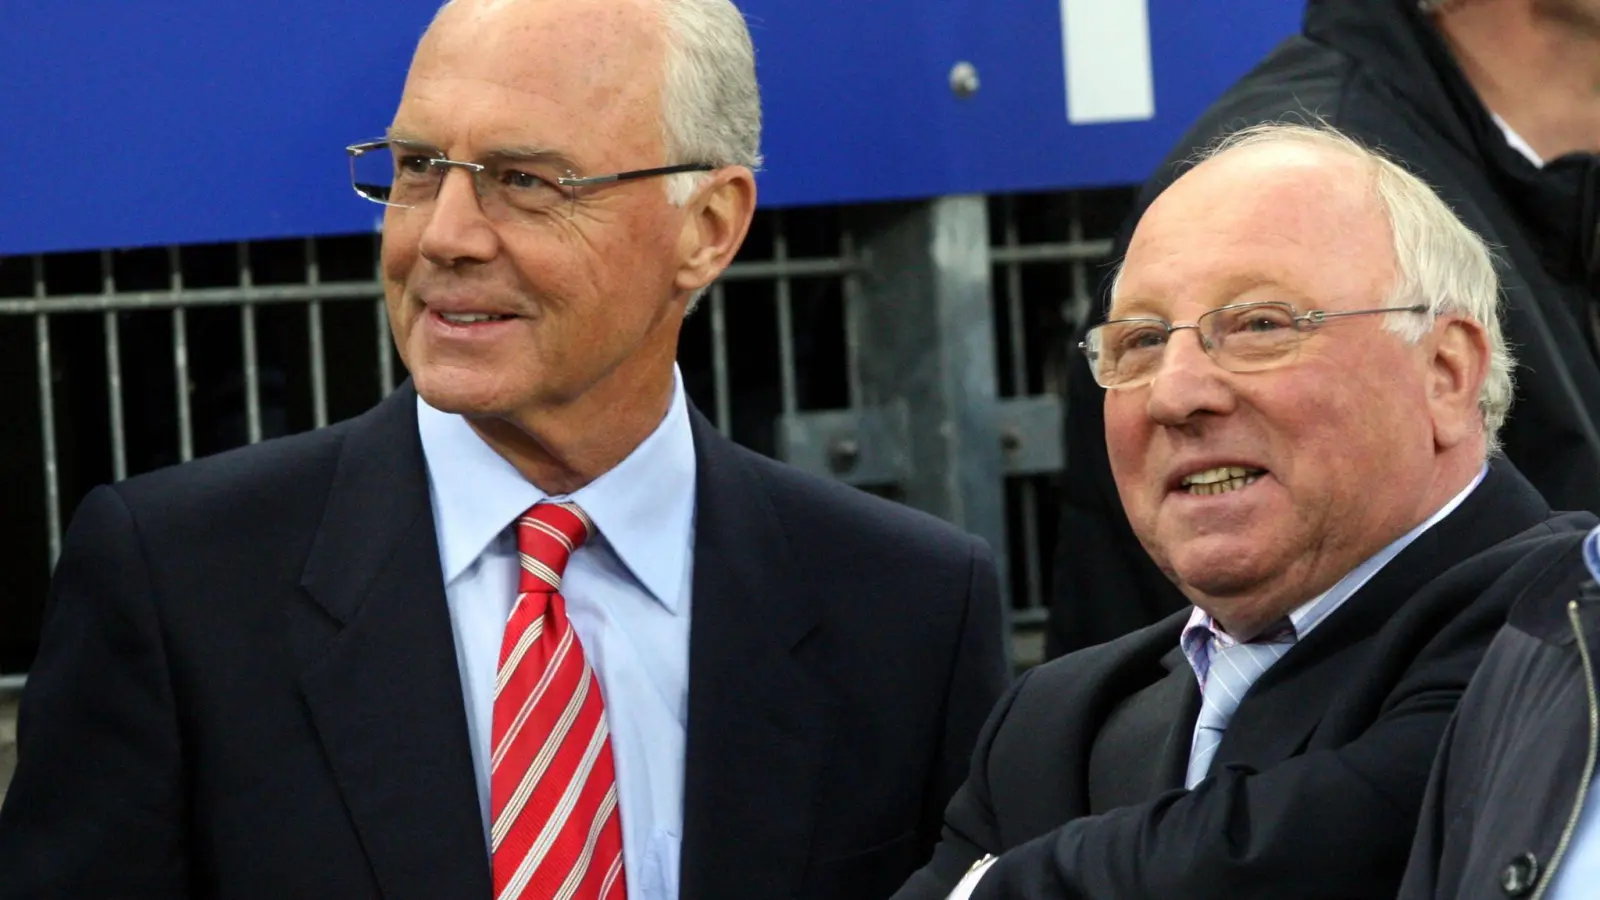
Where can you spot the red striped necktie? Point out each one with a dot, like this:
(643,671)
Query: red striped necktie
(557,832)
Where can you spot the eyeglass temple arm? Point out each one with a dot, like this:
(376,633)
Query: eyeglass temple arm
(1316,316)
(638,173)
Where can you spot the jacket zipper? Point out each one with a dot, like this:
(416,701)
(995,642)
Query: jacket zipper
(1588,766)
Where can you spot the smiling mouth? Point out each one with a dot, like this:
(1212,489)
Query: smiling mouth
(1220,480)
(472,318)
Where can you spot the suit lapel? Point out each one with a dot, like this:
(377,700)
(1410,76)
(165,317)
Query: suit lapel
(1143,749)
(379,673)
(759,722)
(1284,707)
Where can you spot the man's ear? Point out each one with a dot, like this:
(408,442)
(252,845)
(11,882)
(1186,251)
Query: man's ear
(1457,366)
(716,222)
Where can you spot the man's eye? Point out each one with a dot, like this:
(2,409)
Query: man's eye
(1261,323)
(1144,339)
(519,180)
(413,165)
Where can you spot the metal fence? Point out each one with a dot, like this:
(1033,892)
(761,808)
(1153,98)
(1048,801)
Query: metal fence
(916,350)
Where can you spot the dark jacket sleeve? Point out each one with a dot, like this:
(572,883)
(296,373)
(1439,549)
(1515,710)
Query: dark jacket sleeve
(1422,870)
(96,805)
(970,829)
(1335,822)
(977,680)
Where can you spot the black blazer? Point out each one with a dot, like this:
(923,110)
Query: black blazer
(1315,789)
(247,685)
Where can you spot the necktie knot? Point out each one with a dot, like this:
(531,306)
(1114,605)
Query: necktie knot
(547,536)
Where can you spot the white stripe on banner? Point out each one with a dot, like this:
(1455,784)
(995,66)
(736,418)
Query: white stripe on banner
(1107,49)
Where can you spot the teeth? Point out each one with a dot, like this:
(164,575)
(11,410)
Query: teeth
(470,319)
(1220,480)
(1212,476)
(1222,487)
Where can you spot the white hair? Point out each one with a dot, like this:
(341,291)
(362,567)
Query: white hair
(1439,261)
(711,104)
(710,101)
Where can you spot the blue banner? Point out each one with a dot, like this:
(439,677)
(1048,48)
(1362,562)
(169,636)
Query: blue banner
(133,122)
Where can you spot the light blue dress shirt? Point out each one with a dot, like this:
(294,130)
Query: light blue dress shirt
(1577,875)
(628,596)
(1201,637)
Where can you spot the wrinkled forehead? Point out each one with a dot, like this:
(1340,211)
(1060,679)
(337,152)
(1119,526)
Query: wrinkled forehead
(1299,224)
(566,69)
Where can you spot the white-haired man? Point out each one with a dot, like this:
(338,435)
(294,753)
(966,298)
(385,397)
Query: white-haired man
(1304,375)
(531,627)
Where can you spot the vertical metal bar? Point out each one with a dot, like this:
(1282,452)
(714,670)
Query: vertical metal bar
(1019,348)
(1033,579)
(385,347)
(851,289)
(1081,298)
(119,436)
(47,415)
(180,358)
(719,359)
(319,368)
(786,374)
(247,338)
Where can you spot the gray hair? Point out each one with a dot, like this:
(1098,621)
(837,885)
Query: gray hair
(1439,261)
(711,103)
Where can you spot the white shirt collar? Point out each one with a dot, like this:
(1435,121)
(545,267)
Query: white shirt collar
(650,494)
(1517,142)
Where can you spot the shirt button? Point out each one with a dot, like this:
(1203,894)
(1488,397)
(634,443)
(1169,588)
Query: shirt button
(1520,875)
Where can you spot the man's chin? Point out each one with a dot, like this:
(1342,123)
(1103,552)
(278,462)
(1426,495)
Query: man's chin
(460,393)
(1220,572)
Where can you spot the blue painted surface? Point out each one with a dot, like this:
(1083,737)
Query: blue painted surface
(134,122)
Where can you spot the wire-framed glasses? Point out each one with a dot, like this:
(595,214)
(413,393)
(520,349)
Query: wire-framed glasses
(409,175)
(1244,337)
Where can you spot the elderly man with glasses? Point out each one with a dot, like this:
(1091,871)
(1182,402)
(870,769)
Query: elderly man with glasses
(1305,374)
(530,628)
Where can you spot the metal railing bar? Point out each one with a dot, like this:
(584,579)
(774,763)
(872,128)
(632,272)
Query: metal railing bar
(1069,251)
(385,351)
(47,418)
(1082,302)
(719,360)
(851,291)
(768,270)
(334,291)
(314,340)
(180,358)
(113,341)
(785,298)
(189,299)
(1032,577)
(247,339)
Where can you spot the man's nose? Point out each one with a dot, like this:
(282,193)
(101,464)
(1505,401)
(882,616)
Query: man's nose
(1188,381)
(458,231)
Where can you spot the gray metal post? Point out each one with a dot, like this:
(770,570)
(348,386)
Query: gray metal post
(926,326)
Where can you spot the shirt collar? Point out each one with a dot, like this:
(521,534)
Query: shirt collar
(1201,630)
(643,508)
(1518,142)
